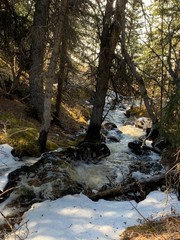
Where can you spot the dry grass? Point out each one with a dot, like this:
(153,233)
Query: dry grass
(165,229)
(173,175)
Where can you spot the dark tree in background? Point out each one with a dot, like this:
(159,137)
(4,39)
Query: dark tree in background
(14,47)
(38,47)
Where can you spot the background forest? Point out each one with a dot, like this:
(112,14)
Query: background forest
(55,55)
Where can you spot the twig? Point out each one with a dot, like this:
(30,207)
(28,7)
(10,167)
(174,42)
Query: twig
(8,223)
(22,130)
(6,191)
(20,230)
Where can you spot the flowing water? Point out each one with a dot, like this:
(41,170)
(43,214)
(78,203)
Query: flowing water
(115,168)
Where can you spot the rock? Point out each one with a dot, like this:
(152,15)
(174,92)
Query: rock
(135,147)
(114,135)
(143,123)
(152,134)
(109,126)
(160,144)
(53,176)
(111,131)
(128,112)
(146,167)
(113,139)
(49,178)
(157,141)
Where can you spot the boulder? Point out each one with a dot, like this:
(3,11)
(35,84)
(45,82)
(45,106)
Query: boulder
(49,178)
(52,177)
(135,147)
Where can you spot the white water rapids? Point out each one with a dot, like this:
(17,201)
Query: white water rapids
(114,168)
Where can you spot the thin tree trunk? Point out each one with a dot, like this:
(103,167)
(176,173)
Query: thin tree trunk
(50,77)
(142,87)
(131,65)
(59,94)
(162,58)
(62,70)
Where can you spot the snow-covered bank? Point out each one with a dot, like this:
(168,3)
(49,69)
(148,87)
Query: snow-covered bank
(7,164)
(77,217)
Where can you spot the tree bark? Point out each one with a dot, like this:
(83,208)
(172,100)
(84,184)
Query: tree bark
(143,187)
(132,67)
(142,87)
(50,77)
(109,39)
(38,33)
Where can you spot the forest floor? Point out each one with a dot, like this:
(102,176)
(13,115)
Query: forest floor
(17,121)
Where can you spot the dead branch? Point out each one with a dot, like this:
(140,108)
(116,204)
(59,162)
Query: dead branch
(142,186)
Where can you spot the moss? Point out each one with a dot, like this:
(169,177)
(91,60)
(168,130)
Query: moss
(23,135)
(8,119)
(70,143)
(139,111)
(51,145)
(20,134)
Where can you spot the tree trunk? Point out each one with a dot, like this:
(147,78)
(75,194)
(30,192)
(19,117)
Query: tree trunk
(109,39)
(50,77)
(38,34)
(132,67)
(142,87)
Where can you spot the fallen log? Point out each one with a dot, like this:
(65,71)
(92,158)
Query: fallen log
(135,190)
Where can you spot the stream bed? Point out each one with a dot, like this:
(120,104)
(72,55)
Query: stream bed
(57,174)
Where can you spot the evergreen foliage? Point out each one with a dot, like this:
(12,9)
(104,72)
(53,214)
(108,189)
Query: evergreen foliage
(170,121)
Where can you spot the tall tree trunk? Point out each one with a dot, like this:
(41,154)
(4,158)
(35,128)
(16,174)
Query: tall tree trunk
(132,67)
(162,57)
(109,39)
(38,34)
(50,77)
